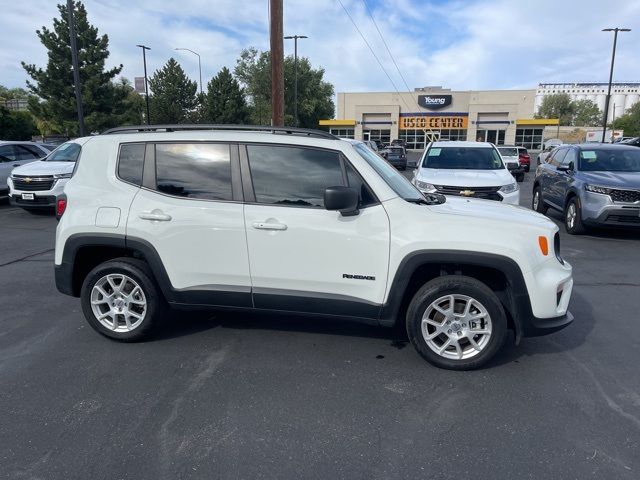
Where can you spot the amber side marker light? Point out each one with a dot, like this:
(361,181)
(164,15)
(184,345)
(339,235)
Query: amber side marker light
(544,245)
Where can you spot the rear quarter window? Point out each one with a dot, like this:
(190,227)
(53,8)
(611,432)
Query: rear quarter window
(131,162)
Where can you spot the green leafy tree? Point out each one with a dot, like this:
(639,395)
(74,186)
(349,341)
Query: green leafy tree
(559,106)
(629,122)
(315,96)
(53,86)
(16,125)
(586,114)
(12,93)
(174,97)
(225,101)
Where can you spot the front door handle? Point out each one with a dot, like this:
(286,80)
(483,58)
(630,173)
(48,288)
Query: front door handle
(269,226)
(155,215)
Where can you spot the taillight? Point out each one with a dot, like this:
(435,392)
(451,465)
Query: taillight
(61,206)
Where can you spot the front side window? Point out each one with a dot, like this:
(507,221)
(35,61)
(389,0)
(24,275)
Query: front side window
(463,158)
(67,152)
(194,170)
(131,162)
(6,153)
(569,157)
(610,160)
(557,157)
(293,176)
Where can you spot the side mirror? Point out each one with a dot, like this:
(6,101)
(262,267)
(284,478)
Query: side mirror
(563,168)
(343,199)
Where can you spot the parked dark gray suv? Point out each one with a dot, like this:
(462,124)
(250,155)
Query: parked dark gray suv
(592,184)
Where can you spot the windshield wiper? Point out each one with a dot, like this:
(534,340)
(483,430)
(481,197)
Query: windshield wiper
(429,199)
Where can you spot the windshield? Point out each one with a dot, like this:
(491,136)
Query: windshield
(508,152)
(612,160)
(67,152)
(463,158)
(390,175)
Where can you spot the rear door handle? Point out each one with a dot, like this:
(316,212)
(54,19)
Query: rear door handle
(155,215)
(269,226)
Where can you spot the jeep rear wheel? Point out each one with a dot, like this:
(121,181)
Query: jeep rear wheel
(121,300)
(456,322)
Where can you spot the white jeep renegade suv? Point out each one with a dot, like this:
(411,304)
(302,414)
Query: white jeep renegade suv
(296,220)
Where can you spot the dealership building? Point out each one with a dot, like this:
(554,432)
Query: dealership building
(503,117)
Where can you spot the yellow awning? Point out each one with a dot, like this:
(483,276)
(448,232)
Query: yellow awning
(537,121)
(337,123)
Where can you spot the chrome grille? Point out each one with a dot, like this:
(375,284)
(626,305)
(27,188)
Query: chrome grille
(486,193)
(32,184)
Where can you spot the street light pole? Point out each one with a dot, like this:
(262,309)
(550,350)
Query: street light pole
(295,84)
(76,72)
(199,64)
(146,87)
(613,59)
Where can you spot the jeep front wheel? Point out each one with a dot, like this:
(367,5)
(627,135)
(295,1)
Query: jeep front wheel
(121,300)
(456,322)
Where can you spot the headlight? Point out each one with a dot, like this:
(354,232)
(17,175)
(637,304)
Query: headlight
(62,175)
(512,187)
(596,189)
(426,187)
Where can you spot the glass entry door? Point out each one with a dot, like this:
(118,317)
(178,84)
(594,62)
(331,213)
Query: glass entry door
(492,136)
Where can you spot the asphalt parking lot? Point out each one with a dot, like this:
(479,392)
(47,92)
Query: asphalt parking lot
(244,397)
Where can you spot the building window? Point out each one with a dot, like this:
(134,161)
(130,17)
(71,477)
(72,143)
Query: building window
(373,134)
(417,139)
(529,138)
(342,132)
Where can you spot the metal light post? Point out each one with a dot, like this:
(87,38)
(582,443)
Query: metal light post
(146,88)
(76,72)
(199,64)
(613,59)
(295,84)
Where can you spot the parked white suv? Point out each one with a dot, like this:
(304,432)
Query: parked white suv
(467,169)
(300,221)
(37,185)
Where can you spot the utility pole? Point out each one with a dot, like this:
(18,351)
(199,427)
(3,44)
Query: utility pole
(295,84)
(613,59)
(146,84)
(76,72)
(277,63)
(199,65)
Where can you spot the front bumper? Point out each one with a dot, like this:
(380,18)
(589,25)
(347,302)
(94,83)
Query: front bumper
(599,210)
(41,198)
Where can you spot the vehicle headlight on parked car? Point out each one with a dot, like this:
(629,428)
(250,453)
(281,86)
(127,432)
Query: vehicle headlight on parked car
(426,187)
(597,189)
(510,188)
(62,175)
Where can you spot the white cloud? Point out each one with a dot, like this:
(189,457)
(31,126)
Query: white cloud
(457,44)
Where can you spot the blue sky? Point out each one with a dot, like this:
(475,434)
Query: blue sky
(457,44)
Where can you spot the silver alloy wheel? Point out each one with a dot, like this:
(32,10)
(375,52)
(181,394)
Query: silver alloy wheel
(456,327)
(571,216)
(536,199)
(118,303)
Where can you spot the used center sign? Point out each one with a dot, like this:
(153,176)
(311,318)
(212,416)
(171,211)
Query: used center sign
(433,123)
(434,102)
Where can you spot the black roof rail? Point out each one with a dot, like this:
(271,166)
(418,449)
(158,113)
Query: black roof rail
(241,128)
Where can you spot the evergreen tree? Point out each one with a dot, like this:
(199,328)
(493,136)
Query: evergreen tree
(54,86)
(174,95)
(15,125)
(225,102)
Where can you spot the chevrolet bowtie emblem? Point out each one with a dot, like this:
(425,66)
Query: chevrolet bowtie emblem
(28,179)
(467,193)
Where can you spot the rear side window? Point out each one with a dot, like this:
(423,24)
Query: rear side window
(194,170)
(293,175)
(131,162)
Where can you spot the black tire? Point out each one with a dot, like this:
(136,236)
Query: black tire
(140,272)
(527,168)
(456,284)
(578,227)
(541,207)
(520,178)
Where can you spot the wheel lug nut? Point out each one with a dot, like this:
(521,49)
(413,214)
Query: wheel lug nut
(448,322)
(459,334)
(464,324)
(449,331)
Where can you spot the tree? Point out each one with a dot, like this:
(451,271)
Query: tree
(557,106)
(629,122)
(54,86)
(586,114)
(225,102)
(174,95)
(315,96)
(12,93)
(16,125)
